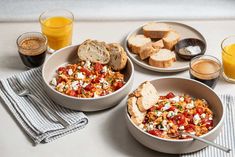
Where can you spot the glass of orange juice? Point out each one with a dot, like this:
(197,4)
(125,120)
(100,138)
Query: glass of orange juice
(228,57)
(57,25)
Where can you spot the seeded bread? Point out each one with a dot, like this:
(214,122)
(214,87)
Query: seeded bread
(163,59)
(136,115)
(170,39)
(156,30)
(93,51)
(135,42)
(118,57)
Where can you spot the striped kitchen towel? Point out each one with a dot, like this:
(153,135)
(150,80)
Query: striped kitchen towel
(39,128)
(227,135)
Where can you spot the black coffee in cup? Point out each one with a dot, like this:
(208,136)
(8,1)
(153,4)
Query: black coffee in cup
(206,70)
(32,49)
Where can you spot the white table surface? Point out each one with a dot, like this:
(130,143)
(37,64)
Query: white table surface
(106,134)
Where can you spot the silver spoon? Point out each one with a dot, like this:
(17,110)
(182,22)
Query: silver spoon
(227,150)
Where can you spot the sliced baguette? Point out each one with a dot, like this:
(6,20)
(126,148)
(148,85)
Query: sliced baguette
(156,30)
(147,50)
(135,42)
(93,51)
(118,57)
(163,58)
(147,96)
(136,115)
(170,39)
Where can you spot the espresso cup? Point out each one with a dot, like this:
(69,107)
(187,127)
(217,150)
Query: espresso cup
(32,47)
(205,69)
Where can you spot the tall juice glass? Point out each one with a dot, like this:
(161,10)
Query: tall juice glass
(228,57)
(57,25)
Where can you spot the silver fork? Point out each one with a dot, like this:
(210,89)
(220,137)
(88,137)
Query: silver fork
(24,92)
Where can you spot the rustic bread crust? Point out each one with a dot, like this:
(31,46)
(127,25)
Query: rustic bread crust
(118,57)
(170,43)
(152,30)
(93,51)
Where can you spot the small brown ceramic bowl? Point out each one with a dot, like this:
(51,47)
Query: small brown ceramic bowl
(69,55)
(189,42)
(179,86)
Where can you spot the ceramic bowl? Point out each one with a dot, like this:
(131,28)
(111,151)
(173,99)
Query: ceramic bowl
(190,42)
(69,55)
(179,86)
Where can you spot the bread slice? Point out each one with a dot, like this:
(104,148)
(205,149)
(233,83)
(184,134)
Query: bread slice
(147,50)
(158,44)
(136,115)
(147,96)
(118,57)
(170,39)
(135,42)
(163,58)
(156,30)
(93,51)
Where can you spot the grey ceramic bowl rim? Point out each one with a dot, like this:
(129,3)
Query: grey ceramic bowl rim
(182,140)
(75,98)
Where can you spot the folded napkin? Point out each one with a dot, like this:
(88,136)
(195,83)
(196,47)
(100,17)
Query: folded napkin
(39,128)
(227,135)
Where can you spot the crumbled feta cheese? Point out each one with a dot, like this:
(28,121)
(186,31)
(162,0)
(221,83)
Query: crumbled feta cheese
(105,69)
(196,119)
(190,105)
(92,76)
(203,115)
(60,87)
(80,75)
(84,84)
(98,86)
(96,95)
(150,126)
(159,113)
(104,83)
(184,136)
(70,72)
(87,64)
(175,99)
(166,107)
(171,114)
(53,81)
(210,118)
(164,122)
(79,67)
(163,126)
(181,98)
(74,85)
(181,127)
(193,132)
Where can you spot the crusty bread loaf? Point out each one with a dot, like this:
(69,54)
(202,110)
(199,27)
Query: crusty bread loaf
(156,30)
(118,57)
(135,42)
(93,51)
(136,115)
(163,59)
(147,96)
(170,39)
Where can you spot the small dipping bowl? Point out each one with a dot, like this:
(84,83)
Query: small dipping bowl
(186,43)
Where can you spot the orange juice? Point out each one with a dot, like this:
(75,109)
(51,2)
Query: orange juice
(58,30)
(228,57)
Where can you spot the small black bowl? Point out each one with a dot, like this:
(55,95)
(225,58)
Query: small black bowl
(190,42)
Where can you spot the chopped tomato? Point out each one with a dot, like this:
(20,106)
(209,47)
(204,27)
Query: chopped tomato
(152,109)
(170,95)
(190,127)
(96,80)
(87,72)
(117,85)
(159,107)
(72,93)
(189,117)
(98,67)
(179,119)
(155,132)
(172,108)
(187,99)
(89,87)
(59,80)
(199,110)
(62,70)
(208,123)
